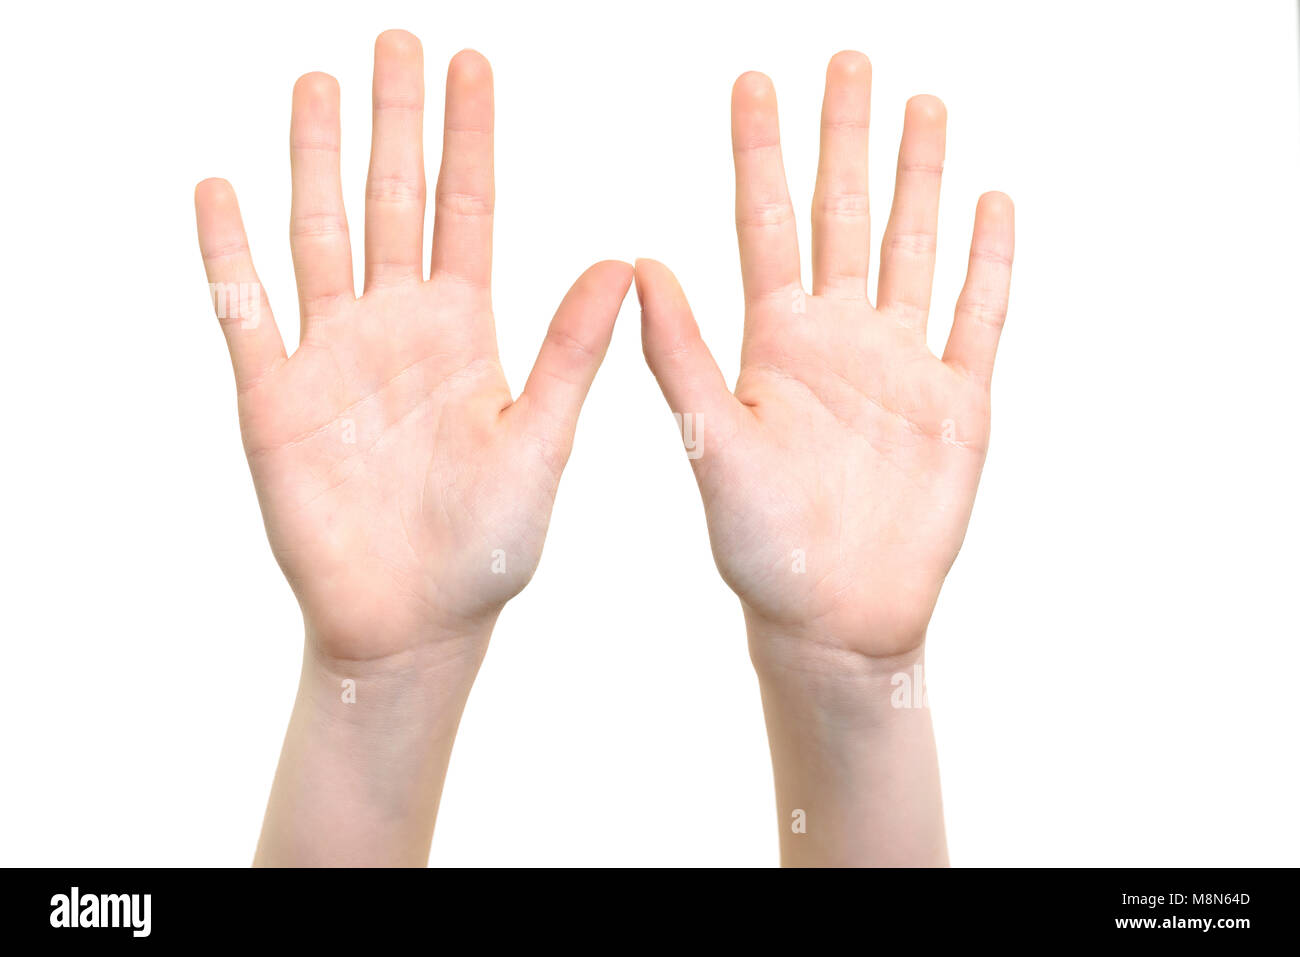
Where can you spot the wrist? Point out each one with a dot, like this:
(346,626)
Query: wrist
(411,690)
(853,755)
(361,771)
(825,667)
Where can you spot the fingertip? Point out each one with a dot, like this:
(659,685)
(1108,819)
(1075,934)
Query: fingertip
(754,122)
(398,43)
(212,186)
(469,93)
(926,108)
(996,204)
(316,87)
(314,124)
(753,90)
(639,268)
(665,310)
(399,73)
(610,276)
(469,66)
(651,276)
(643,264)
(213,193)
(849,65)
(613,270)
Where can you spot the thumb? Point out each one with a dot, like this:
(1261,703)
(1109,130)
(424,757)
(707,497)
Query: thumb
(573,349)
(687,373)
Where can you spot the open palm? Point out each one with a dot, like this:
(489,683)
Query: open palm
(405,494)
(839,477)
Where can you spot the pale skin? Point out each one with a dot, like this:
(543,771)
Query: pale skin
(406,492)
(838,477)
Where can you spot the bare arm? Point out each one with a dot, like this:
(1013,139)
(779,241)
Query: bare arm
(838,478)
(406,494)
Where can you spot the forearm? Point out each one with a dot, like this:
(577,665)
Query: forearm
(853,755)
(364,757)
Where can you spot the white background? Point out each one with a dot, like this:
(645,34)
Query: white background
(1113,662)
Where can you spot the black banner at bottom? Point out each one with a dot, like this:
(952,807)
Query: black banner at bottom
(658,908)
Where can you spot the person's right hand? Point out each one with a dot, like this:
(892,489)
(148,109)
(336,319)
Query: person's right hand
(405,494)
